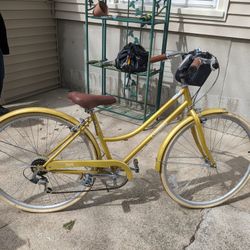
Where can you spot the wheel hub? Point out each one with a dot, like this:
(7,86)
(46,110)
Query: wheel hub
(37,165)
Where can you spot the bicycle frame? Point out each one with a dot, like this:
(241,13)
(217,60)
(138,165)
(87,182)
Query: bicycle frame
(66,166)
(187,103)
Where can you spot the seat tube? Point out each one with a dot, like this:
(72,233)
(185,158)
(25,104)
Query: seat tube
(100,134)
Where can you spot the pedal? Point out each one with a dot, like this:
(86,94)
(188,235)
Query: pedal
(136,166)
(88,180)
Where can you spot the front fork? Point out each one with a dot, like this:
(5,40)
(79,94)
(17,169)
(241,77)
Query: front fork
(200,141)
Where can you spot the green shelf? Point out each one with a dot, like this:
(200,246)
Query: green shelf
(100,64)
(128,19)
(131,100)
(135,99)
(137,114)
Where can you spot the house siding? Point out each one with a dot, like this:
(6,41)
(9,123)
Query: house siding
(32,65)
(234,24)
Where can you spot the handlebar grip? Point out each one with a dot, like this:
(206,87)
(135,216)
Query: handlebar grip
(158,58)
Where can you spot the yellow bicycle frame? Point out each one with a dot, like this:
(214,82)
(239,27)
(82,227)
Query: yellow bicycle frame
(99,164)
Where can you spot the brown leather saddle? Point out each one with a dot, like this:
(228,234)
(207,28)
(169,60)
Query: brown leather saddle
(89,101)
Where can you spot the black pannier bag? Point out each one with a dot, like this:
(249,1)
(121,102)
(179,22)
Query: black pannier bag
(132,58)
(191,75)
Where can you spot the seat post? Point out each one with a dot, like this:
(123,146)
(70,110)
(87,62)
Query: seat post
(99,133)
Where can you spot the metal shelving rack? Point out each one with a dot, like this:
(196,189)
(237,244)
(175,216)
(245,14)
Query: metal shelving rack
(136,15)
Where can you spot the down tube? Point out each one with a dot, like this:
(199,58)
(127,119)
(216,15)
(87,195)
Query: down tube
(171,117)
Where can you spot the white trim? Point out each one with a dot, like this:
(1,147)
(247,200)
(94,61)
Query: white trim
(195,3)
(196,12)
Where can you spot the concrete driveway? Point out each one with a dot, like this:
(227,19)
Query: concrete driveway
(137,216)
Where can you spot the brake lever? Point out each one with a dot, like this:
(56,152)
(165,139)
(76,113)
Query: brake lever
(214,64)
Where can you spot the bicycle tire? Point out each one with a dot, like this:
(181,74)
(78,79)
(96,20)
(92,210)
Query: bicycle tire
(25,140)
(190,180)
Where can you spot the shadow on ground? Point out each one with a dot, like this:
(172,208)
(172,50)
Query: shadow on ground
(59,97)
(138,191)
(8,238)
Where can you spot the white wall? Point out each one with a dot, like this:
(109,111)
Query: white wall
(231,90)
(71,51)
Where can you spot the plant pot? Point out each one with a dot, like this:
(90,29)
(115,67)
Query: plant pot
(100,9)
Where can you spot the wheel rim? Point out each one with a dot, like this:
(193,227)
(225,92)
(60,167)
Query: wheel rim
(190,180)
(24,142)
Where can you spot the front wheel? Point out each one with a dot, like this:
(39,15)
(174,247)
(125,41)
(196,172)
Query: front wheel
(26,139)
(190,179)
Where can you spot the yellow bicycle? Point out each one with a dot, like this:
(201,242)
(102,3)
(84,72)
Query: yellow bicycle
(49,160)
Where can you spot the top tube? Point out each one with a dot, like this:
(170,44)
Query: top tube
(184,91)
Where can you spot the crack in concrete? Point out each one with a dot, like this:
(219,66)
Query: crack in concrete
(192,238)
(4,226)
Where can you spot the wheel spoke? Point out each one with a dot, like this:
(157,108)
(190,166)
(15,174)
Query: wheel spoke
(25,139)
(191,180)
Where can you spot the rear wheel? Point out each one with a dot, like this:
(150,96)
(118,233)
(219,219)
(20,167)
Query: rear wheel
(25,141)
(190,179)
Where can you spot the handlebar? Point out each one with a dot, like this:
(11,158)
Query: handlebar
(158,58)
(165,56)
(197,61)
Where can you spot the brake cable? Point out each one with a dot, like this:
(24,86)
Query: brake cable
(197,92)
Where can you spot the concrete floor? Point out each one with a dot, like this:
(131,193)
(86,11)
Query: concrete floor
(137,216)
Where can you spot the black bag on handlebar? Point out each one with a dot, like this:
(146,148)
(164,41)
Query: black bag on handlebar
(194,76)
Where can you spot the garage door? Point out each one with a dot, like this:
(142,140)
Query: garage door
(32,66)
